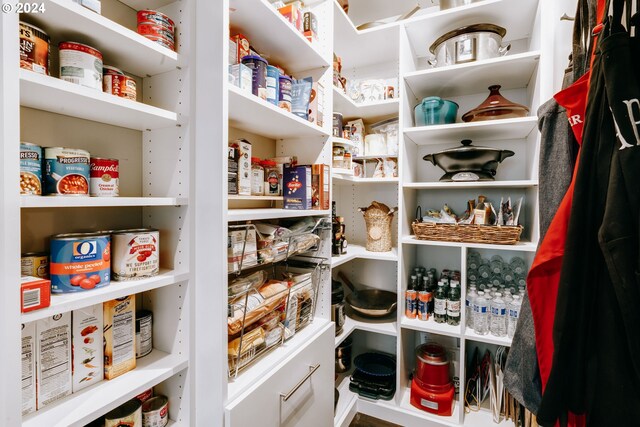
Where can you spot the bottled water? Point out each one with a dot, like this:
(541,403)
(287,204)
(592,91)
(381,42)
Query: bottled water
(498,316)
(481,314)
(514,313)
(508,297)
(471,296)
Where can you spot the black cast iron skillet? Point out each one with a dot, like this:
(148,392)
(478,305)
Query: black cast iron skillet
(370,302)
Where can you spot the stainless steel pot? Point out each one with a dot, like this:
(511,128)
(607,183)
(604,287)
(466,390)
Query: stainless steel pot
(467,44)
(450,4)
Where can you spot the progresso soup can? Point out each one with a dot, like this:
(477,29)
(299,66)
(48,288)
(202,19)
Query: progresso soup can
(30,169)
(79,262)
(34,49)
(81,64)
(136,253)
(66,171)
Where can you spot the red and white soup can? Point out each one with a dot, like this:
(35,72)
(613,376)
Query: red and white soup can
(104,177)
(136,253)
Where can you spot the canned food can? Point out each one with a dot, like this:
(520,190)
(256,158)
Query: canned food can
(162,41)
(120,85)
(30,169)
(273,83)
(104,177)
(410,303)
(156,30)
(136,253)
(127,414)
(79,262)
(144,333)
(109,70)
(81,64)
(35,264)
(147,16)
(155,412)
(423,305)
(145,395)
(66,171)
(285,85)
(34,49)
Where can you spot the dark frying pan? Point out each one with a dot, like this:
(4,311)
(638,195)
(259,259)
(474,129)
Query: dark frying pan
(376,364)
(370,302)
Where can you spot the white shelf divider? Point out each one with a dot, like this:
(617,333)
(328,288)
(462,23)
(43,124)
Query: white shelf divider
(120,46)
(255,198)
(272,213)
(342,141)
(471,335)
(368,111)
(520,246)
(61,303)
(83,407)
(359,252)
(432,327)
(61,97)
(472,184)
(354,180)
(385,326)
(98,202)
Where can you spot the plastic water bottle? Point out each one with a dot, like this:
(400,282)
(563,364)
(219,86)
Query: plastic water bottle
(514,313)
(471,296)
(481,320)
(508,297)
(440,306)
(498,316)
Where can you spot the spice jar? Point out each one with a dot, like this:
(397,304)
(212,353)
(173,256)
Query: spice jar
(338,157)
(271,178)
(257,177)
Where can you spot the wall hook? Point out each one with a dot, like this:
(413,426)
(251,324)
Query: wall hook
(566,17)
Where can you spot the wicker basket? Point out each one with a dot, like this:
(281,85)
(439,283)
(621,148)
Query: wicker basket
(378,218)
(467,233)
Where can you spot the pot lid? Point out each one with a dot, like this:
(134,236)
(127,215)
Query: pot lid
(494,102)
(467,29)
(466,147)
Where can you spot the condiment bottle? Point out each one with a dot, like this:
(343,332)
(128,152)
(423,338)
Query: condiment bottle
(271,178)
(257,177)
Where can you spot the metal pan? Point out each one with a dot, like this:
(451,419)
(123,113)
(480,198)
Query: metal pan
(370,302)
(376,364)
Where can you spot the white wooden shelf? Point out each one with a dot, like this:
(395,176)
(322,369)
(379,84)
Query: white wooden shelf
(354,180)
(342,141)
(147,4)
(484,418)
(514,15)
(405,405)
(359,252)
(255,198)
(527,183)
(366,47)
(61,303)
(61,97)
(431,326)
(347,402)
(370,112)
(470,334)
(83,407)
(490,130)
(386,326)
(98,202)
(274,37)
(253,114)
(518,247)
(511,71)
(120,46)
(272,213)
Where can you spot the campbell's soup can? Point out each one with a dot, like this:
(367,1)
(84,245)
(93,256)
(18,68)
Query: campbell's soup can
(104,177)
(81,64)
(30,169)
(120,85)
(66,171)
(155,412)
(136,253)
(34,49)
(35,264)
(79,262)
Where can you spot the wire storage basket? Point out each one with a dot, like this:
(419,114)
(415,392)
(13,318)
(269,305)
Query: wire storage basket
(378,218)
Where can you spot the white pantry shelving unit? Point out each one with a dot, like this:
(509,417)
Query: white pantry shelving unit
(154,141)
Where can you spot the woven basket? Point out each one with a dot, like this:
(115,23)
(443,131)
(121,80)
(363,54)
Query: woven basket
(378,219)
(467,233)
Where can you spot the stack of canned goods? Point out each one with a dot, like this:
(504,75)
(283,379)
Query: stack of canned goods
(157,27)
(59,171)
(115,82)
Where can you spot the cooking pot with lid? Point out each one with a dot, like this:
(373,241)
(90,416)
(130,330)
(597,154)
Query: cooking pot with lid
(495,107)
(468,163)
(467,44)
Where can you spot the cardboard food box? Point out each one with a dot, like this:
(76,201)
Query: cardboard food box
(88,358)
(237,240)
(242,77)
(316,104)
(297,187)
(53,359)
(293,13)
(232,169)
(244,167)
(35,293)
(321,183)
(310,26)
(28,368)
(281,162)
(242,48)
(233,52)
(119,317)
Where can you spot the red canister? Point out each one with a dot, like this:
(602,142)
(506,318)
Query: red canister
(148,16)
(104,177)
(158,27)
(432,366)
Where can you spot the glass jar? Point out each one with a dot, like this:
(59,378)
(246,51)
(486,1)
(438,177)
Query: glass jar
(338,157)
(271,178)
(257,177)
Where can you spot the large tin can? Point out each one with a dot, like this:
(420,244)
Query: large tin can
(120,85)
(80,262)
(136,253)
(147,16)
(155,412)
(104,177)
(34,49)
(157,27)
(127,414)
(35,264)
(30,169)
(81,64)
(66,171)
(144,333)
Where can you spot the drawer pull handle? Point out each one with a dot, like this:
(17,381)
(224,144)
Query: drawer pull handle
(287,396)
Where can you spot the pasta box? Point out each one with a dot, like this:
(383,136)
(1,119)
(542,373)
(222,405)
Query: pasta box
(297,190)
(35,293)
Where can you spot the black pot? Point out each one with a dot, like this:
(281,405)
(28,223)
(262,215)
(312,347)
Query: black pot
(468,163)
